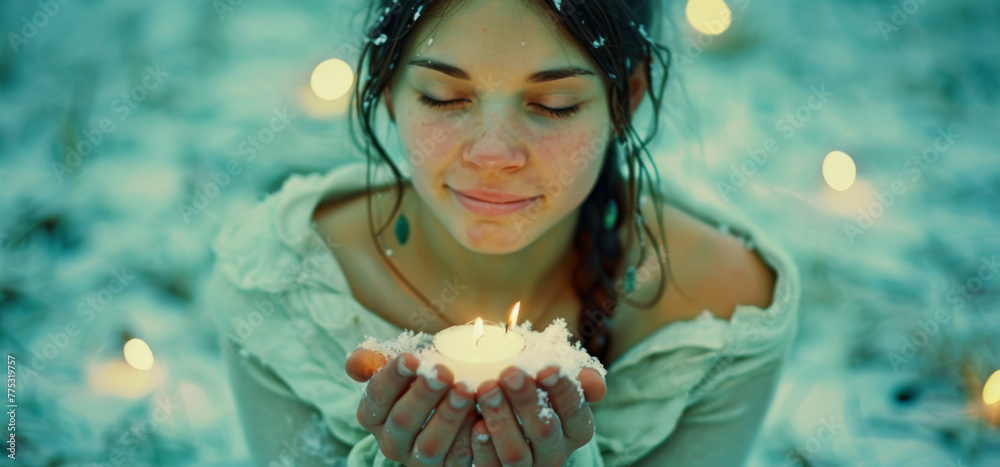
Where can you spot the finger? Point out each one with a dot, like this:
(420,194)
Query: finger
(576,417)
(460,453)
(508,439)
(438,435)
(483,452)
(412,411)
(541,431)
(384,389)
(362,364)
(594,387)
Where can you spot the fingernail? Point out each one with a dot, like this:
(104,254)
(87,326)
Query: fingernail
(514,381)
(402,369)
(482,437)
(550,380)
(457,401)
(493,398)
(435,384)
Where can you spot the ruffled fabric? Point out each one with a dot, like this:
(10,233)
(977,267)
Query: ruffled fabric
(652,383)
(280,294)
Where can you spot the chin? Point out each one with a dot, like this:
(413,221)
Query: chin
(491,233)
(490,237)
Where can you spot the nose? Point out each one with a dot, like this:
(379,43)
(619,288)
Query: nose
(496,147)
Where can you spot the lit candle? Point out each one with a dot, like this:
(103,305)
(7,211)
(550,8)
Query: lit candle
(479,351)
(478,343)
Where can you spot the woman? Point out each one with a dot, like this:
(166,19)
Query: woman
(522,181)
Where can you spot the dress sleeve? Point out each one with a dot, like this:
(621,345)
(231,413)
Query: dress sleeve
(296,408)
(278,427)
(721,428)
(695,392)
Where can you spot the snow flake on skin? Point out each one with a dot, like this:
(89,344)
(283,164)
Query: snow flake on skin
(430,41)
(545,411)
(381,39)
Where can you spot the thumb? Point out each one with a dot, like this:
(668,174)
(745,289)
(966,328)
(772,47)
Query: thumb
(593,385)
(362,364)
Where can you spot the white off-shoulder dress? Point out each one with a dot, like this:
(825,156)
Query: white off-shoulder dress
(692,393)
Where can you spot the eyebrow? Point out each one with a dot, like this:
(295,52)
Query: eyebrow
(537,77)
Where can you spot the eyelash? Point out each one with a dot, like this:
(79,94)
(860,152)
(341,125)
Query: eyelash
(555,113)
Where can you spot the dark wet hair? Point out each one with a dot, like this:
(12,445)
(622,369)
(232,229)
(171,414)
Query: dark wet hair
(620,29)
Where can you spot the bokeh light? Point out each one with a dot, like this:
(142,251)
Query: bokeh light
(991,390)
(331,79)
(138,354)
(839,170)
(119,379)
(710,17)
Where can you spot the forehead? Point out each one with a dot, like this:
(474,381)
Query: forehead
(485,37)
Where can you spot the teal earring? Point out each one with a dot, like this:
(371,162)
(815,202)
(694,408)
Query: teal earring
(611,215)
(402,229)
(610,218)
(630,280)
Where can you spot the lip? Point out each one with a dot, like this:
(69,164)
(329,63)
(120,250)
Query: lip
(491,208)
(491,196)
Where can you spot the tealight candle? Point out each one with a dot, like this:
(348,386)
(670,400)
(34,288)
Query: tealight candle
(480,351)
(478,343)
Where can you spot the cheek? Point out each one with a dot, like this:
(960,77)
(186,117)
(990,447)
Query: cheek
(558,149)
(572,159)
(427,142)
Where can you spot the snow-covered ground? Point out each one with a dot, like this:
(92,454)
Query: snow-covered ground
(167,92)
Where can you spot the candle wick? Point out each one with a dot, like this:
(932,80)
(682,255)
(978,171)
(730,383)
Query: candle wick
(480,337)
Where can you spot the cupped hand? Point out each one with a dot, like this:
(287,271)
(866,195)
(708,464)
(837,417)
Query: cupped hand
(537,441)
(397,403)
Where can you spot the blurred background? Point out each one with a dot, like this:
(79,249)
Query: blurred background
(862,135)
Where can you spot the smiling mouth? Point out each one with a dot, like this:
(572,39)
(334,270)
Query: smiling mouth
(491,208)
(495,197)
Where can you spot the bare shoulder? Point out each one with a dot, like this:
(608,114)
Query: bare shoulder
(345,219)
(343,224)
(335,217)
(714,269)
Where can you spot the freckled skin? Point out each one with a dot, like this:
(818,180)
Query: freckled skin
(496,136)
(497,131)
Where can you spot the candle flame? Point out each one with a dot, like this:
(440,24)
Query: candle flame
(477,331)
(512,319)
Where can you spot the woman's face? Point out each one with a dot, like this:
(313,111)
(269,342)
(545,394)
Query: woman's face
(500,126)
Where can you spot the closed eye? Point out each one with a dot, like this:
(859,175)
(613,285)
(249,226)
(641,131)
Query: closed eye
(554,113)
(434,103)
